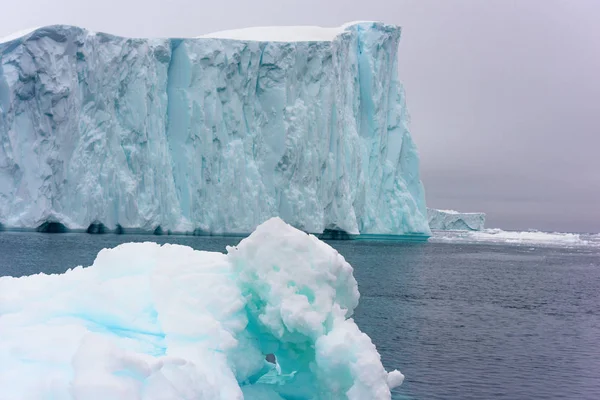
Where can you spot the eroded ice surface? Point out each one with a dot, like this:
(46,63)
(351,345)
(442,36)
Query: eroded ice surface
(208,134)
(167,322)
(450,220)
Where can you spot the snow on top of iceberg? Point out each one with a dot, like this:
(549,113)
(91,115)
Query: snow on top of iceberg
(279,34)
(456,212)
(18,34)
(147,321)
(449,211)
(284,33)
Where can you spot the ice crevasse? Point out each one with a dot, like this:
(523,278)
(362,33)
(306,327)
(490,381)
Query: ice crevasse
(211,134)
(168,322)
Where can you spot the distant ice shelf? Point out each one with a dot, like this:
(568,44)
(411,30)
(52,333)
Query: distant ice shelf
(208,135)
(450,220)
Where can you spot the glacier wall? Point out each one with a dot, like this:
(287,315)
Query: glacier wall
(450,220)
(207,134)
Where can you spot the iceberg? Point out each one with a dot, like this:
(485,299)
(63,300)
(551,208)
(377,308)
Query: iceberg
(213,134)
(268,320)
(525,238)
(450,220)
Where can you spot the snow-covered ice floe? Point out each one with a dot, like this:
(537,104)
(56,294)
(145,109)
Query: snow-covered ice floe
(167,322)
(213,134)
(534,238)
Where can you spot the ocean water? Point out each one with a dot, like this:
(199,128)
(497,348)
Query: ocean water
(463,316)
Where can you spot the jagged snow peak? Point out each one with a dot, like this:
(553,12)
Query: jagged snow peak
(167,322)
(207,134)
(451,220)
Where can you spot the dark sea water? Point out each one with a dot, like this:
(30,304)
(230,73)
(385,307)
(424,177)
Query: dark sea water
(460,320)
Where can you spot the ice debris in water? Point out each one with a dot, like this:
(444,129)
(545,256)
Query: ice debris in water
(498,236)
(168,322)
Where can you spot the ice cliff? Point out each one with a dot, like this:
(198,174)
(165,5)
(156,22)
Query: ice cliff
(211,134)
(450,220)
(154,322)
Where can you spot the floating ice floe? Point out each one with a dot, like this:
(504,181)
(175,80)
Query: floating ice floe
(168,322)
(555,239)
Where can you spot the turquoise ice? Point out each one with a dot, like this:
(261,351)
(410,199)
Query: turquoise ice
(208,134)
(154,322)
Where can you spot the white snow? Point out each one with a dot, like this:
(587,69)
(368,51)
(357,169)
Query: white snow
(167,322)
(302,33)
(279,34)
(284,33)
(449,211)
(18,34)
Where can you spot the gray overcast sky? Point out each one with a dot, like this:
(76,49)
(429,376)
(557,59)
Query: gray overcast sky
(504,94)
